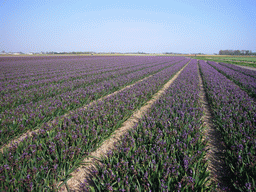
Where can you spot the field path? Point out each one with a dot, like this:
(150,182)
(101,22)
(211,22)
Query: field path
(246,67)
(215,149)
(30,132)
(85,171)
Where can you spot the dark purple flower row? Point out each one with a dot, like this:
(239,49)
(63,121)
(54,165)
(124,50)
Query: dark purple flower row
(246,82)
(40,66)
(41,69)
(235,117)
(42,161)
(31,115)
(240,69)
(13,68)
(79,69)
(64,84)
(165,150)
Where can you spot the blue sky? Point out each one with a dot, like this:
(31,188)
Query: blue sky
(184,26)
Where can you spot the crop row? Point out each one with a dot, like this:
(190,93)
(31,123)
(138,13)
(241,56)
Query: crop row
(165,150)
(78,70)
(25,68)
(234,115)
(37,66)
(246,82)
(63,84)
(31,115)
(36,77)
(240,69)
(42,161)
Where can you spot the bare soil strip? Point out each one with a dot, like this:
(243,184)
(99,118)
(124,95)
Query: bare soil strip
(30,132)
(215,149)
(238,61)
(246,67)
(85,172)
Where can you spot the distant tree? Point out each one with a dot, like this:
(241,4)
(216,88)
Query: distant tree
(237,52)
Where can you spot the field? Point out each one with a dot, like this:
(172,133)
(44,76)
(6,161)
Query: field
(249,61)
(127,123)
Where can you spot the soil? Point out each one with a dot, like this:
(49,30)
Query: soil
(215,148)
(246,67)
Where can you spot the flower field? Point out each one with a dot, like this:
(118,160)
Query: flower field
(246,82)
(242,70)
(165,151)
(36,105)
(234,115)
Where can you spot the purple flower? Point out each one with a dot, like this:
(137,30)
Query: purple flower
(248,186)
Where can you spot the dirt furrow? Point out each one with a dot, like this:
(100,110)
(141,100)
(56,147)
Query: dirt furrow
(85,171)
(30,132)
(215,148)
(247,67)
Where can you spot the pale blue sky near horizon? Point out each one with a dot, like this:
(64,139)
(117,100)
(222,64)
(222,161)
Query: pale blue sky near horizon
(181,26)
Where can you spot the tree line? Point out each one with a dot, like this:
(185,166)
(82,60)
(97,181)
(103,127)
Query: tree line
(236,52)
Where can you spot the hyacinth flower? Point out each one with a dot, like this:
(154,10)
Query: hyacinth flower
(165,150)
(31,115)
(66,77)
(56,69)
(52,89)
(57,150)
(234,113)
(246,82)
(55,86)
(240,69)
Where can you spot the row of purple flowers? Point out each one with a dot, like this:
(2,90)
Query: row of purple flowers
(69,71)
(31,115)
(240,69)
(234,113)
(13,68)
(53,87)
(47,158)
(246,82)
(165,151)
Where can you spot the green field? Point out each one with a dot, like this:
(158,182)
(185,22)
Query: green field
(249,61)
